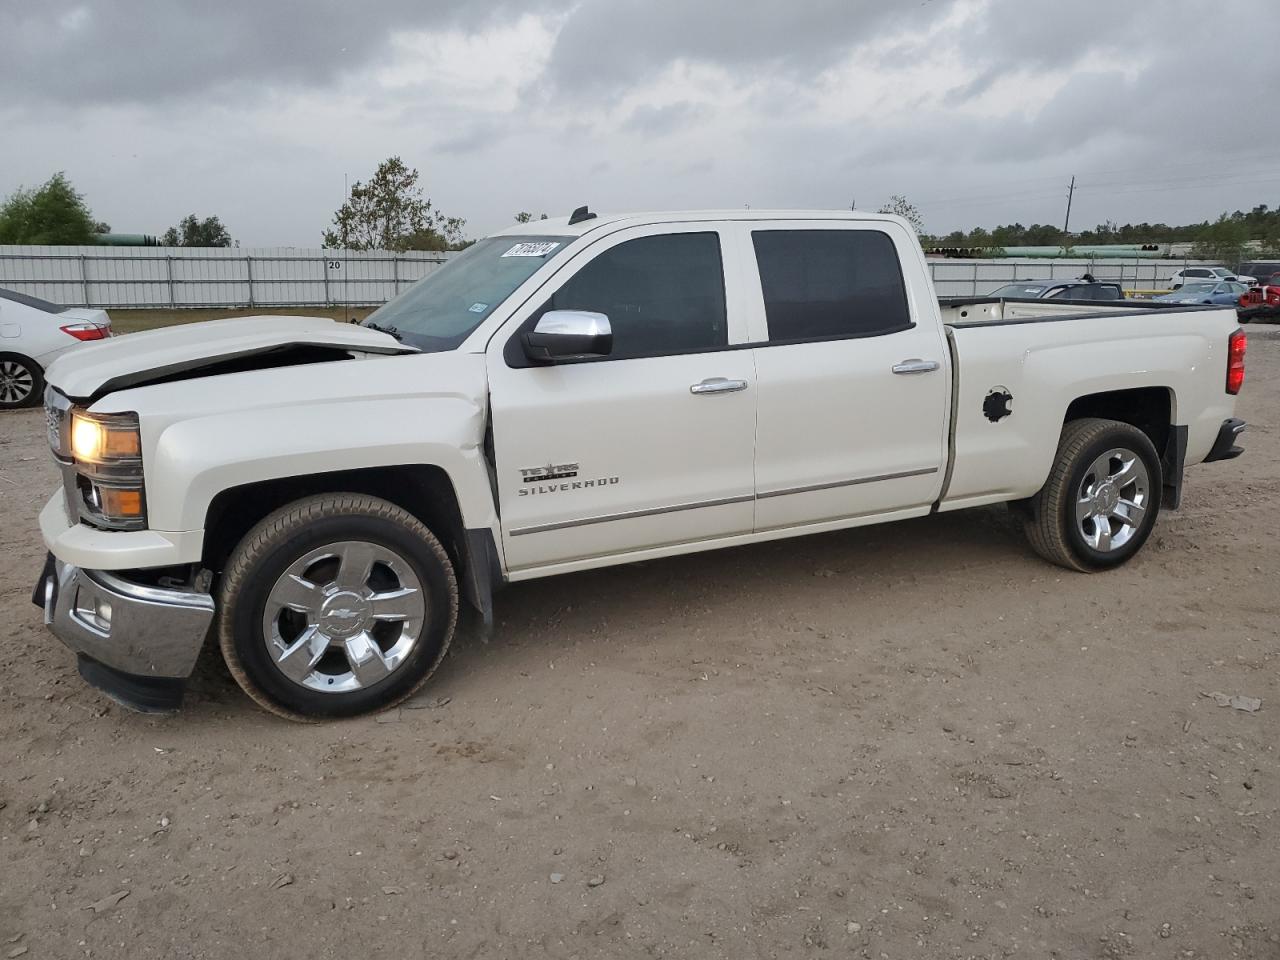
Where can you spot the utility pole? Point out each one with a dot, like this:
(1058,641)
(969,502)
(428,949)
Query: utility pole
(1067,222)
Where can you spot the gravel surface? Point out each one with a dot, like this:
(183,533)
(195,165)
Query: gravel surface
(915,740)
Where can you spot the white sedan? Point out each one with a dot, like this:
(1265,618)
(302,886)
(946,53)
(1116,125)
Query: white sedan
(1207,275)
(33,333)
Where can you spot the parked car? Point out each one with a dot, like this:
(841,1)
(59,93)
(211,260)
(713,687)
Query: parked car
(573,394)
(33,333)
(1224,293)
(1261,303)
(1206,275)
(1265,270)
(1059,290)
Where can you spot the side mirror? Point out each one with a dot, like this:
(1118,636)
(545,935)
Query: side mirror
(568,335)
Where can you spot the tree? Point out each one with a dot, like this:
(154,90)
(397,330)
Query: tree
(391,213)
(902,207)
(525,217)
(53,213)
(193,232)
(1224,240)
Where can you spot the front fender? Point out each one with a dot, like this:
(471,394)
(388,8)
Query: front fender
(194,460)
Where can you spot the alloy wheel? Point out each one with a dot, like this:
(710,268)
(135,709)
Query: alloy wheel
(1112,499)
(344,616)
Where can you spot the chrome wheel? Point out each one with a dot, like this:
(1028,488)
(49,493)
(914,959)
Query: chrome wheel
(16,382)
(344,616)
(1112,499)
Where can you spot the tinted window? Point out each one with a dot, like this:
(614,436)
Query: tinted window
(824,284)
(1105,291)
(662,294)
(1018,291)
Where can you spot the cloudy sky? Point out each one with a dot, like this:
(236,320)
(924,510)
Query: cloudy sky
(978,110)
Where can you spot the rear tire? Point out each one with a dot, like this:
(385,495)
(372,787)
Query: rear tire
(21,382)
(1101,500)
(335,606)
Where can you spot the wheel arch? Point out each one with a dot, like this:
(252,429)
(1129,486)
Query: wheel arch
(424,490)
(1153,410)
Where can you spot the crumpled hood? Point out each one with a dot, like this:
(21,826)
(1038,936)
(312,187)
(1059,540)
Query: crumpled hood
(140,358)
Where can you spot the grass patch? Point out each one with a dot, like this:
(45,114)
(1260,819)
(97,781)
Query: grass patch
(134,321)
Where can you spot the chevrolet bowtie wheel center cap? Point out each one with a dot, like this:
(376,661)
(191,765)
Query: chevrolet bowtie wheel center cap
(345,613)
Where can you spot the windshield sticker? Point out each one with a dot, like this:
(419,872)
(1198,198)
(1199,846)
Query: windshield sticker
(478,307)
(533,249)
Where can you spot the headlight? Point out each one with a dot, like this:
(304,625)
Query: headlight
(102,439)
(107,449)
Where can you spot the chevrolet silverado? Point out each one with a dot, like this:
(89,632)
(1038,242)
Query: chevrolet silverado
(318,499)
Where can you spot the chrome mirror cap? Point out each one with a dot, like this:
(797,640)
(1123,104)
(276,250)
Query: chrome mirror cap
(568,335)
(574,323)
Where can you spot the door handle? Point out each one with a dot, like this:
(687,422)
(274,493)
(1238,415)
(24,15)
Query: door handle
(718,385)
(916,366)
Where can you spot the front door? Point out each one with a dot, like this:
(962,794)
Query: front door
(616,456)
(852,376)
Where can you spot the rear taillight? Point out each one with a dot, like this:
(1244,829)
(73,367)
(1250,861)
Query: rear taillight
(1236,345)
(86,331)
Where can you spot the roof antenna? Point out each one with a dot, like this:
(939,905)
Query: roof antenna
(582,213)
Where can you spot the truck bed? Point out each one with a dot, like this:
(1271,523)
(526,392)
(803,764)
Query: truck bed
(1044,355)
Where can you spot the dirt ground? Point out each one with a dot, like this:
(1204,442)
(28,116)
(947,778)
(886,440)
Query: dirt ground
(915,740)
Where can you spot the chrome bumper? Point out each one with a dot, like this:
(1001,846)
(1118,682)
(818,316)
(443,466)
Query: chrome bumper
(132,628)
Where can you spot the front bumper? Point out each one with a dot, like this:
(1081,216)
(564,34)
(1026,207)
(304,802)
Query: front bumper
(136,642)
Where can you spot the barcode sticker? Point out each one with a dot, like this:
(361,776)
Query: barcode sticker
(532,249)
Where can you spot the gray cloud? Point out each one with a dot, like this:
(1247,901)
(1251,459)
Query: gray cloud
(256,111)
(658,121)
(607,44)
(143,51)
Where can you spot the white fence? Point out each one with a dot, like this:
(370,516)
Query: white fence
(210,277)
(284,276)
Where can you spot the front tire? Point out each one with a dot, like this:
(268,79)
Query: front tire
(21,381)
(336,605)
(1102,497)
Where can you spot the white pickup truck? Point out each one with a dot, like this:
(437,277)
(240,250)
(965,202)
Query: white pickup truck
(316,497)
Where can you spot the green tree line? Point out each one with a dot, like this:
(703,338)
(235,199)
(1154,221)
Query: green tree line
(390,211)
(1220,239)
(56,213)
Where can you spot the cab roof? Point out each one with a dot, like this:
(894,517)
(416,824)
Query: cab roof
(560,226)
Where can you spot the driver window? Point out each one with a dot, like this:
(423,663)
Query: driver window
(662,294)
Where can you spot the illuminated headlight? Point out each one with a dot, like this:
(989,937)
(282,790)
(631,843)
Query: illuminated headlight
(107,449)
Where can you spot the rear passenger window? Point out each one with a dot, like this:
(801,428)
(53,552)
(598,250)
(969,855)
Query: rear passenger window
(662,294)
(830,284)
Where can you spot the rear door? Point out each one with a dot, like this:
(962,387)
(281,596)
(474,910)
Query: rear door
(853,375)
(649,447)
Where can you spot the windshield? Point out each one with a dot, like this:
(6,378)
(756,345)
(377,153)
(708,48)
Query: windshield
(1196,289)
(1019,290)
(440,311)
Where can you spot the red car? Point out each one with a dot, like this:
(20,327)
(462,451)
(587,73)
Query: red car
(1261,302)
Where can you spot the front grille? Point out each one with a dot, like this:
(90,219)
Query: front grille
(57,416)
(54,425)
